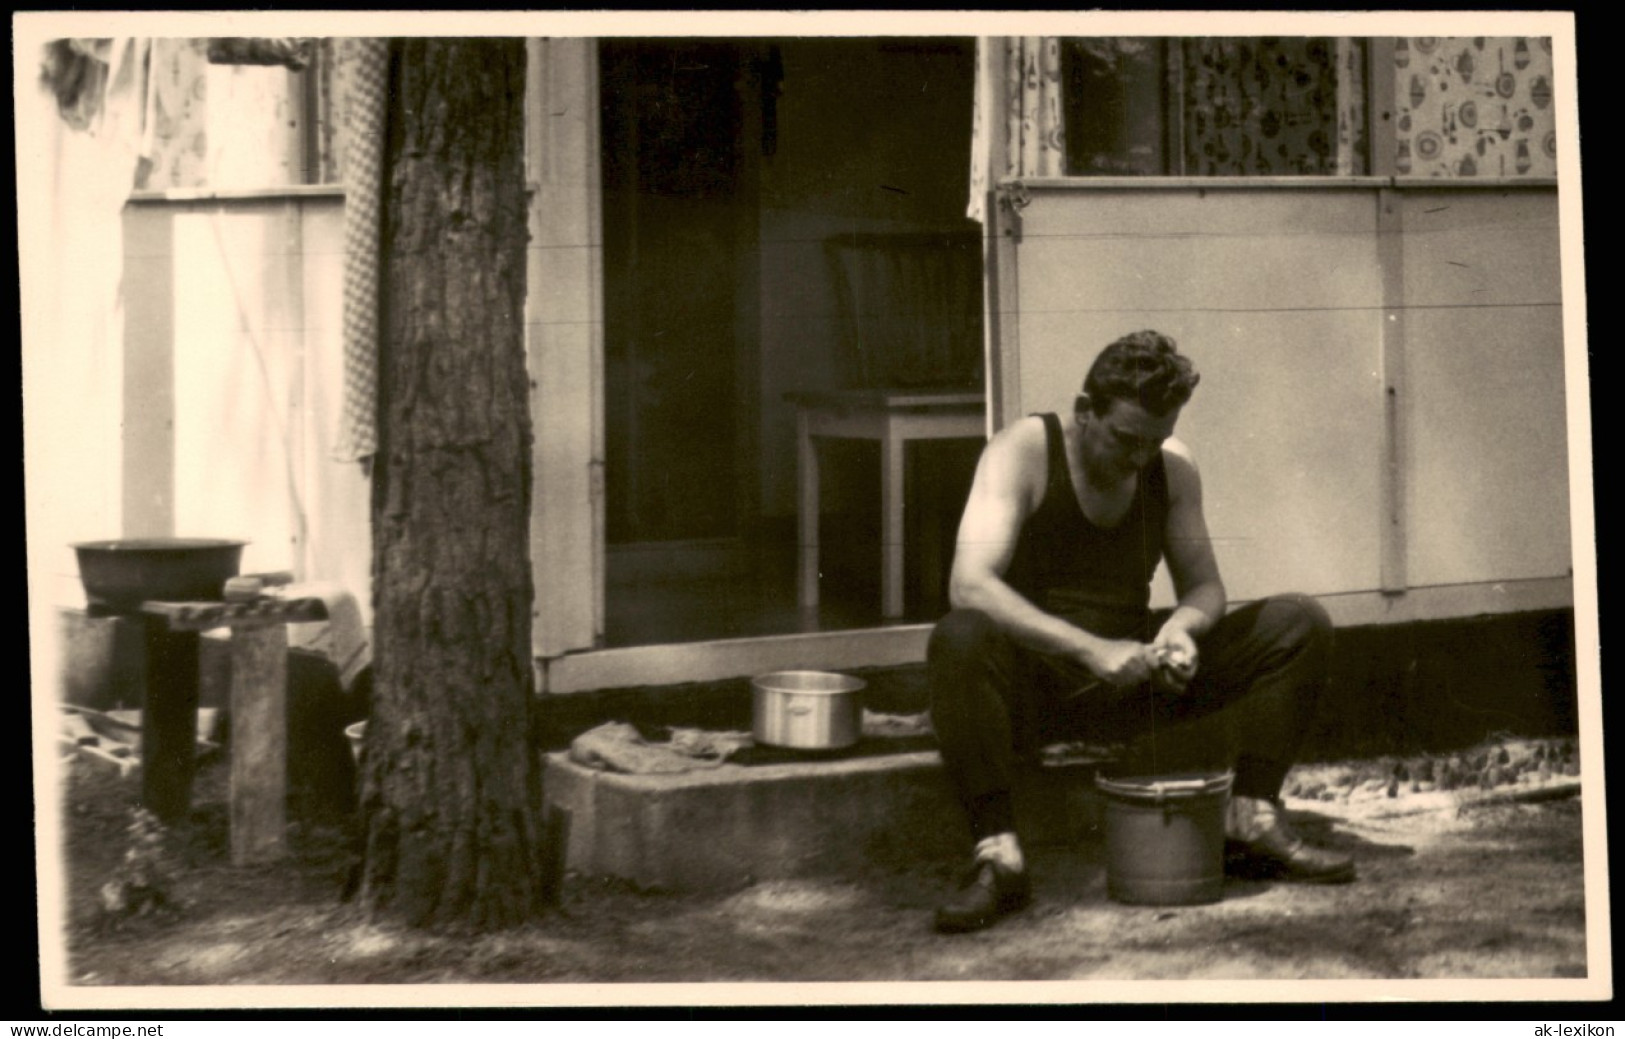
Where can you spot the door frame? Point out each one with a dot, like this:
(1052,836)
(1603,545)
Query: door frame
(564,344)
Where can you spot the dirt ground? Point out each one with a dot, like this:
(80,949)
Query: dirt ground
(1451,886)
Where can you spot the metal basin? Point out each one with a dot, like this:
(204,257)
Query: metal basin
(123,573)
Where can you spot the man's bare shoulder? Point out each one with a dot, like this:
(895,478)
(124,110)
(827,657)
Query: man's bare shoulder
(1015,460)
(1020,450)
(1024,436)
(1179,452)
(1180,464)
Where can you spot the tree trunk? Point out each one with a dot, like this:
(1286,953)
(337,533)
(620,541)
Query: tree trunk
(452,782)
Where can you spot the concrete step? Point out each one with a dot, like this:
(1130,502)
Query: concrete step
(723,827)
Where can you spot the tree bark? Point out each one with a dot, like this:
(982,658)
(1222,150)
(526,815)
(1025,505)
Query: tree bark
(452,784)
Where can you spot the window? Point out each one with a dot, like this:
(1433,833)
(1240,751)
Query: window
(1460,106)
(239,113)
(1215,106)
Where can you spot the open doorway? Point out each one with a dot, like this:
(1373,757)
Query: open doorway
(780,217)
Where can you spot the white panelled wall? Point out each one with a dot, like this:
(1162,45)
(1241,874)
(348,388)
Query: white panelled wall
(233,323)
(1303,305)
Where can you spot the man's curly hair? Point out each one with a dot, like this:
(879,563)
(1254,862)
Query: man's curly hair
(1144,368)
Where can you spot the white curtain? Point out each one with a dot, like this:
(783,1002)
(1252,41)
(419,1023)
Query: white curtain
(1017,129)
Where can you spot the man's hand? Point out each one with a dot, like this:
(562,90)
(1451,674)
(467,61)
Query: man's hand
(1175,654)
(1123,663)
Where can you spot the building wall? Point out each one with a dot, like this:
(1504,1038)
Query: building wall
(1488,486)
(234,314)
(1281,295)
(1289,282)
(69,196)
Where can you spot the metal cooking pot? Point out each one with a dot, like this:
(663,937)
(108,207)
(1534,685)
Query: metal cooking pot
(806,710)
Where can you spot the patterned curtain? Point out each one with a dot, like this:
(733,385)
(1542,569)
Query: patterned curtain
(1256,106)
(1353,126)
(255,115)
(981,145)
(223,114)
(177,124)
(1250,106)
(1474,107)
(1031,128)
(326,76)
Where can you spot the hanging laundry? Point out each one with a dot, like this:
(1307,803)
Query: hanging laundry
(78,78)
(103,88)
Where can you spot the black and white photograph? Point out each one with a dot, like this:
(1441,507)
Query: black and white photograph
(823,508)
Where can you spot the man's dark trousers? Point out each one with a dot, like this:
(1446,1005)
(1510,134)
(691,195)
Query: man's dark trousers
(1260,671)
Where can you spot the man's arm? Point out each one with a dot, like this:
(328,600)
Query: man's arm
(1191,564)
(1008,487)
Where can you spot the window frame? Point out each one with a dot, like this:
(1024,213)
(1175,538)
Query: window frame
(1173,122)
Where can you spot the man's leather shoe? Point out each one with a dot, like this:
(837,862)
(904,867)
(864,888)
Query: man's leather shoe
(1280,854)
(991,891)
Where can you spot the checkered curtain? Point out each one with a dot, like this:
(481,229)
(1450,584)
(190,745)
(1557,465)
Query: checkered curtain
(363,85)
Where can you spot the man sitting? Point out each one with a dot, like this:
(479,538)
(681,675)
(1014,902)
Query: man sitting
(1051,636)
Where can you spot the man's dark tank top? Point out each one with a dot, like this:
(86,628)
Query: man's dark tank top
(1098,578)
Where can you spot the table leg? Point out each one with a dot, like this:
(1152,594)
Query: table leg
(928,479)
(892,448)
(169,721)
(259,744)
(806,515)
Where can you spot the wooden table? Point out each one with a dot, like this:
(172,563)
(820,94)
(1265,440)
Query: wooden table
(259,722)
(892,417)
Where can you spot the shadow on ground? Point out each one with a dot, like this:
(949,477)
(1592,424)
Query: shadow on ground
(1495,892)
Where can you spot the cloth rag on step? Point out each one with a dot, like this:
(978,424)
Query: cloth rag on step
(619,747)
(877,725)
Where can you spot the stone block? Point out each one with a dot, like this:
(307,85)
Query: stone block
(727,826)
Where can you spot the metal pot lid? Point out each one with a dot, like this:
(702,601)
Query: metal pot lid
(1158,788)
(814,683)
